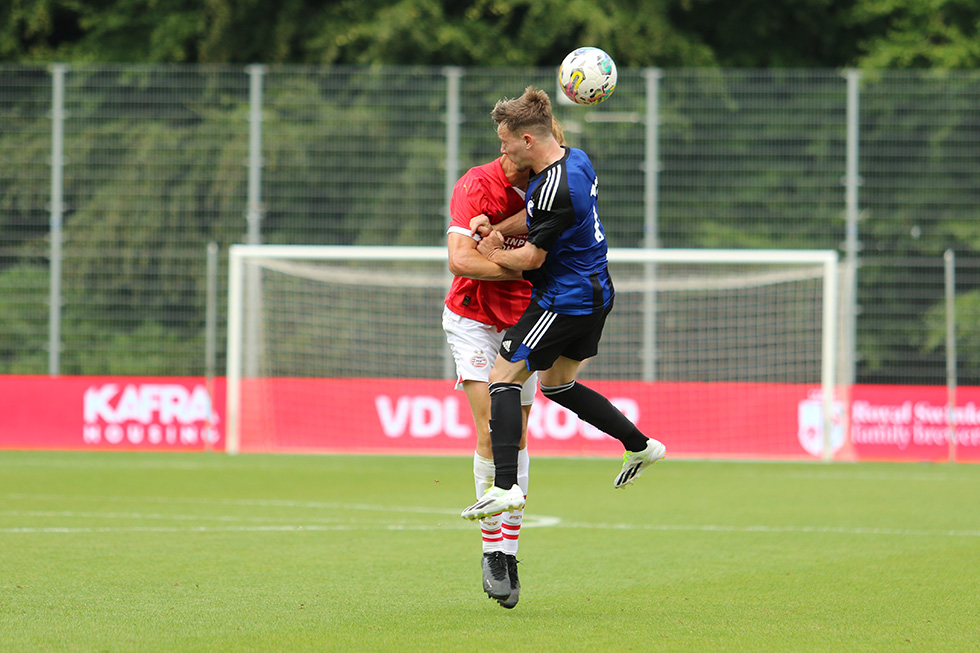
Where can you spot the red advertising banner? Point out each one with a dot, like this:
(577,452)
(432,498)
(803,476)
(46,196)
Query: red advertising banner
(399,415)
(914,423)
(122,413)
(712,420)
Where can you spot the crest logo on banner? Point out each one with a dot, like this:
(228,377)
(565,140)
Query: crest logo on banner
(810,420)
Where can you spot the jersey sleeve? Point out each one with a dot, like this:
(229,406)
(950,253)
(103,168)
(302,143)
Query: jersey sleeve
(469,199)
(546,226)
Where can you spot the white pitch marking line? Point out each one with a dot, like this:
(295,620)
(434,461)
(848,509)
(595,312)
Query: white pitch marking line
(285,528)
(276,503)
(530,521)
(319,524)
(546,521)
(187,529)
(71,514)
(712,528)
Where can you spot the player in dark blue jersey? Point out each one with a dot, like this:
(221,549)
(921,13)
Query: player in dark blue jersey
(565,259)
(563,220)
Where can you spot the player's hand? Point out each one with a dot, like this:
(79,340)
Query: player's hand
(490,243)
(480,226)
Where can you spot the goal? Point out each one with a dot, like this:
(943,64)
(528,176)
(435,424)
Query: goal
(720,353)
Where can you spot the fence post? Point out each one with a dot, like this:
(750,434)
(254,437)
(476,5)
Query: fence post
(253,343)
(211,337)
(950,277)
(57,210)
(651,181)
(255,74)
(849,305)
(453,118)
(852,181)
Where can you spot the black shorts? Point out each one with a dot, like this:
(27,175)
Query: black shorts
(541,336)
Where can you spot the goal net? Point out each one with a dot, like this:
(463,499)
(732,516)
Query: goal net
(719,353)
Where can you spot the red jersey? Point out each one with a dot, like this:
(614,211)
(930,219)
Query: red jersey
(485,189)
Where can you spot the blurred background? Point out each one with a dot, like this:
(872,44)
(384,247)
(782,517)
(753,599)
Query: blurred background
(133,134)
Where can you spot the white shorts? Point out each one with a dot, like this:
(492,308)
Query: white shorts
(474,346)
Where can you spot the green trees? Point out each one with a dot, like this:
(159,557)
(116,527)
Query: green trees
(424,32)
(918,33)
(666,33)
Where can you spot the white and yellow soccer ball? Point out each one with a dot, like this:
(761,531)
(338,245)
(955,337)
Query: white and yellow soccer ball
(587,76)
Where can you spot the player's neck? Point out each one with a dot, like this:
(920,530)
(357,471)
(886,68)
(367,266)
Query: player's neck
(548,155)
(516,177)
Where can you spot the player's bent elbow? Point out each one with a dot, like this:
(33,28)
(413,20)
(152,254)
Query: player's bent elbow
(535,258)
(458,265)
(472,270)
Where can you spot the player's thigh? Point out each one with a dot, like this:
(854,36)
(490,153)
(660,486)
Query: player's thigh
(541,337)
(585,334)
(473,344)
(561,372)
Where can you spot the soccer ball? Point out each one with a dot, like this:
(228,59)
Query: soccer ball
(587,76)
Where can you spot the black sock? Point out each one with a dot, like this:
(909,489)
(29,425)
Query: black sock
(505,431)
(597,411)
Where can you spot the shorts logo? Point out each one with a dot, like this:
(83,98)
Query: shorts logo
(479,361)
(506,345)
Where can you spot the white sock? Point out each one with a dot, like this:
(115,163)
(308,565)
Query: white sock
(490,530)
(523,466)
(512,520)
(510,530)
(483,473)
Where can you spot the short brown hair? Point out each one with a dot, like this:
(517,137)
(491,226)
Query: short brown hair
(529,112)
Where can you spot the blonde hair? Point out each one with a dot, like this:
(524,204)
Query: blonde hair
(529,112)
(558,131)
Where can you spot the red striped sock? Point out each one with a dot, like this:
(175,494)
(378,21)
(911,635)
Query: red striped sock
(492,532)
(511,530)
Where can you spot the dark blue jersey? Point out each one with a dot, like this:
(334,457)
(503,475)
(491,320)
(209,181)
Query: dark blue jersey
(563,220)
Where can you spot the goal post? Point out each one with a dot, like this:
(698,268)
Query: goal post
(243,317)
(822,265)
(313,329)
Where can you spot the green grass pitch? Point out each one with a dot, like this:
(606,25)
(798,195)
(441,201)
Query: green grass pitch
(206,552)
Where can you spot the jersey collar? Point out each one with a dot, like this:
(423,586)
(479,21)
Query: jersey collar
(564,158)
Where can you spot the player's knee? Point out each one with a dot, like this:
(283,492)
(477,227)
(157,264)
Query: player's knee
(505,371)
(560,394)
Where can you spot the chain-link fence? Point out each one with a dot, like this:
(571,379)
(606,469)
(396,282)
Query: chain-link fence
(113,179)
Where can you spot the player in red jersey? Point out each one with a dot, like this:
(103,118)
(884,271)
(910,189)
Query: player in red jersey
(484,301)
